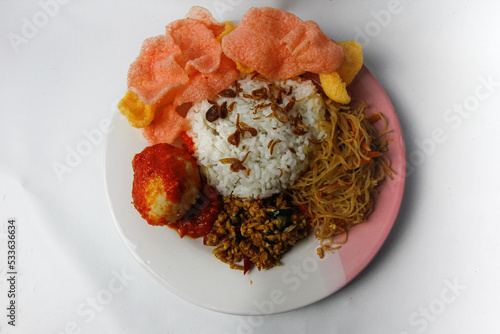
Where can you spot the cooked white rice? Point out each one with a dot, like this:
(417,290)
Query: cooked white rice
(265,173)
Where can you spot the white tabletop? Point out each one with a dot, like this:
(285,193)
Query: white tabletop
(63,68)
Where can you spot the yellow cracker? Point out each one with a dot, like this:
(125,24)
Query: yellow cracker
(353,60)
(137,112)
(228,27)
(334,87)
(243,68)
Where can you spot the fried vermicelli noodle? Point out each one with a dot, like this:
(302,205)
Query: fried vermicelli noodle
(339,186)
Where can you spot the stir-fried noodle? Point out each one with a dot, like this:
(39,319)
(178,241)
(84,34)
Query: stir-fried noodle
(338,188)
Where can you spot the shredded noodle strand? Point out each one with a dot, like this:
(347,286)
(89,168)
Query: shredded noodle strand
(340,184)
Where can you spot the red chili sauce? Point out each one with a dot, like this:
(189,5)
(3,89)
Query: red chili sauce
(187,142)
(200,218)
(168,163)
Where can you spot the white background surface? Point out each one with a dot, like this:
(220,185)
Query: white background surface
(437,273)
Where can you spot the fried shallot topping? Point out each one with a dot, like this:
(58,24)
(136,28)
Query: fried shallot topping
(238,87)
(236,165)
(213,113)
(299,128)
(260,106)
(272,96)
(230,108)
(299,132)
(235,138)
(241,128)
(227,93)
(289,106)
(271,145)
(279,113)
(259,94)
(223,110)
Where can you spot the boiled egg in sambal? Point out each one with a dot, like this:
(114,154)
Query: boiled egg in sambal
(166,183)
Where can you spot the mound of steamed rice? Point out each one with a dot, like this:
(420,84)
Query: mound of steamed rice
(277,154)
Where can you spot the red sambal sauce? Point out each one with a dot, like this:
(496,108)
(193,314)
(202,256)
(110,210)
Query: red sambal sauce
(200,218)
(187,142)
(168,163)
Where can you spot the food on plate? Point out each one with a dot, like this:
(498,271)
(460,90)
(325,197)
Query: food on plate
(279,45)
(166,183)
(334,87)
(167,125)
(199,219)
(335,84)
(267,128)
(254,140)
(338,189)
(135,111)
(185,64)
(353,60)
(228,27)
(256,232)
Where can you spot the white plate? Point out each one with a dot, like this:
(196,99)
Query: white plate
(187,267)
